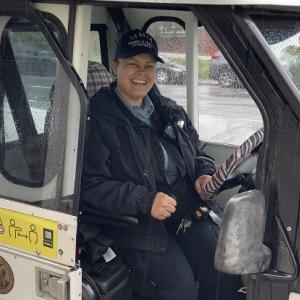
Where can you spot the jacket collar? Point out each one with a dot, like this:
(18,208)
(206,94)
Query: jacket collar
(105,102)
(169,111)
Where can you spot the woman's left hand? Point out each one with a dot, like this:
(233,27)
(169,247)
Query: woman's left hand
(200,182)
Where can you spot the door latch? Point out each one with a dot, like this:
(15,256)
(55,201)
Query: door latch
(52,286)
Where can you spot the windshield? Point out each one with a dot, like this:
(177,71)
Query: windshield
(283,36)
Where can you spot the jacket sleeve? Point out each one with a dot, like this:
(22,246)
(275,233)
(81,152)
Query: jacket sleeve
(205,164)
(100,190)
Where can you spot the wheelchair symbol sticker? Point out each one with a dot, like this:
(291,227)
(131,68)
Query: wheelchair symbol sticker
(27,232)
(48,238)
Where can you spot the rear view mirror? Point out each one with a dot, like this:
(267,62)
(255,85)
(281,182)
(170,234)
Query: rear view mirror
(240,248)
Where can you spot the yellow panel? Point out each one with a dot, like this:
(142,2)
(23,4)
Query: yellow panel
(29,233)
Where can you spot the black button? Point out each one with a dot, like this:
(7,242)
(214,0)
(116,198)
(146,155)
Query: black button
(139,131)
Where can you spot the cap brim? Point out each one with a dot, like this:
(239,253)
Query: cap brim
(159,59)
(139,51)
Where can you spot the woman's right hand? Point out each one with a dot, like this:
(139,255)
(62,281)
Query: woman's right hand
(163,206)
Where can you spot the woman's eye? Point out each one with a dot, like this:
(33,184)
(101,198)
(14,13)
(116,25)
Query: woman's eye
(150,68)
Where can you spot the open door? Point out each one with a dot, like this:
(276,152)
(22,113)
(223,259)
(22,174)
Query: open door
(42,116)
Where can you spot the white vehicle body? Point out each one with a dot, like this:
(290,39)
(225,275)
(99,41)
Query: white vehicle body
(40,190)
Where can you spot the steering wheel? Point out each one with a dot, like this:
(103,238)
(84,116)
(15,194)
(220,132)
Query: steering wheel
(241,161)
(243,175)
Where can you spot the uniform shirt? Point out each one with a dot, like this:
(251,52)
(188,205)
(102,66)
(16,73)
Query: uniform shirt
(144,114)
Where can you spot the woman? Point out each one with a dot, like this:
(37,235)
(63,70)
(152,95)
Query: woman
(144,159)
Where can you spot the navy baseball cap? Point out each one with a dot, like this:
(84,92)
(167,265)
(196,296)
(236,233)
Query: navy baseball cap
(135,42)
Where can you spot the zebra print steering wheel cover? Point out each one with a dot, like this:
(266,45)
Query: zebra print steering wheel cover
(241,153)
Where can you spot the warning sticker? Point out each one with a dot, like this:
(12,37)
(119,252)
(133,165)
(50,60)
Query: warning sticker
(29,233)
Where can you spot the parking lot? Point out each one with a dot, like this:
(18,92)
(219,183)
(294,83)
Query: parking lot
(226,114)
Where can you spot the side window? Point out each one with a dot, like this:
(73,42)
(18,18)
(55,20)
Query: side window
(34,102)
(31,68)
(227,112)
(94,47)
(36,65)
(283,36)
(98,75)
(98,51)
(171,76)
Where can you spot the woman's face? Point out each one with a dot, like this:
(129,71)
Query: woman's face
(135,77)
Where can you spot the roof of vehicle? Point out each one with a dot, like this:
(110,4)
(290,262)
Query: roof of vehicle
(186,2)
(219,2)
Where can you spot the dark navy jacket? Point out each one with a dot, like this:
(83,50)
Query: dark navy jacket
(121,175)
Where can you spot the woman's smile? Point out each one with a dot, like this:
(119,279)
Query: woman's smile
(135,77)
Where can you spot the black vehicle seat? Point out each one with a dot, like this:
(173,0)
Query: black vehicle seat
(103,278)
(114,281)
(116,286)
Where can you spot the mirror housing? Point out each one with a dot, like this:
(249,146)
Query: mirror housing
(240,248)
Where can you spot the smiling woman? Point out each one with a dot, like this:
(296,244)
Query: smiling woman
(144,159)
(135,77)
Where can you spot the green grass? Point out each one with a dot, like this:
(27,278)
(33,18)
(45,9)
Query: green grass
(204,68)
(180,61)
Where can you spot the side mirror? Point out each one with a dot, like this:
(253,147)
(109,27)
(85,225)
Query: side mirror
(240,248)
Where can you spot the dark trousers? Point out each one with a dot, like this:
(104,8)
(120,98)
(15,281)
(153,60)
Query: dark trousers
(186,271)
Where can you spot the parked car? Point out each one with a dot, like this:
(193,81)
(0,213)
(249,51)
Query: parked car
(170,72)
(221,71)
(287,52)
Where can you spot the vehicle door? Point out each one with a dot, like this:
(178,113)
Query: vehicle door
(262,46)
(42,116)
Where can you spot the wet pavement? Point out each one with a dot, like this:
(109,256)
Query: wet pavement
(226,115)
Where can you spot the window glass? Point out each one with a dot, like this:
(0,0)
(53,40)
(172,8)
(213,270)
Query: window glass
(283,36)
(171,76)
(36,65)
(227,113)
(10,131)
(34,97)
(98,75)
(94,47)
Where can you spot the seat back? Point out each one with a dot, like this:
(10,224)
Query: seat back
(97,77)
